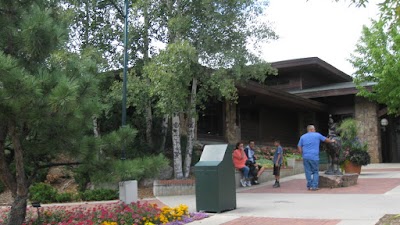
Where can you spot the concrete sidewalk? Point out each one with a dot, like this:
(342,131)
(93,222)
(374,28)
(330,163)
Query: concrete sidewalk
(376,194)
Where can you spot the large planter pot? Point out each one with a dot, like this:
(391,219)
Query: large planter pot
(350,167)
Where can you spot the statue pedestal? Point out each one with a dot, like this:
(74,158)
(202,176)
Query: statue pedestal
(336,181)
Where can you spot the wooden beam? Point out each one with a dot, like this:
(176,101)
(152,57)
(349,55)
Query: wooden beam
(328,93)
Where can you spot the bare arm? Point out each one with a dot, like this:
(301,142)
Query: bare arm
(329,140)
(300,149)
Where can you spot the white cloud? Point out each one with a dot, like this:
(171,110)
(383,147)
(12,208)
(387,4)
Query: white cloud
(322,28)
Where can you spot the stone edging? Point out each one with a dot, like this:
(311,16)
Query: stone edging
(173,187)
(187,187)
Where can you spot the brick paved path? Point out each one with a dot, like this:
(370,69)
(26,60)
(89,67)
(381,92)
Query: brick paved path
(377,193)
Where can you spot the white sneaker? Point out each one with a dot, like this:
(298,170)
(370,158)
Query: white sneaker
(243,182)
(248,183)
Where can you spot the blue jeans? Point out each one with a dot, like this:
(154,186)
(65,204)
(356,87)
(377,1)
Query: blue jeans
(311,169)
(245,170)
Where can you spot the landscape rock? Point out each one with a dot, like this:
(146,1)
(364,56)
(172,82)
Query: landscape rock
(336,181)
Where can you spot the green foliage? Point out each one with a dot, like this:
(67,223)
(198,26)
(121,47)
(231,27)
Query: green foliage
(353,149)
(43,193)
(348,129)
(65,197)
(96,24)
(358,3)
(267,163)
(359,157)
(116,140)
(98,154)
(293,155)
(376,58)
(98,195)
(134,169)
(171,73)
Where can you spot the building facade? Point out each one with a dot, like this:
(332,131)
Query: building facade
(305,91)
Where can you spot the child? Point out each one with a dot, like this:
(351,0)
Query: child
(278,158)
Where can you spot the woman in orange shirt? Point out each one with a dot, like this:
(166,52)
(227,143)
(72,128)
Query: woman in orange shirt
(239,161)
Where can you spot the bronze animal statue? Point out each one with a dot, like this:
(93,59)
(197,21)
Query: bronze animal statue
(333,149)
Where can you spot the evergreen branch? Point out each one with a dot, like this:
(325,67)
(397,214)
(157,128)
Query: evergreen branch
(59,164)
(7,11)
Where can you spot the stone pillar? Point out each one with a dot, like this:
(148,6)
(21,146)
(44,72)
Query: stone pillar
(232,123)
(366,113)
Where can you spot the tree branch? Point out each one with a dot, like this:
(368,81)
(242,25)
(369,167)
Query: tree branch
(118,9)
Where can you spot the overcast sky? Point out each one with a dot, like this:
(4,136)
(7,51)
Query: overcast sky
(320,28)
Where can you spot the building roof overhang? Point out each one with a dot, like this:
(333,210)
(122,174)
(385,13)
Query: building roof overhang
(275,97)
(338,89)
(312,63)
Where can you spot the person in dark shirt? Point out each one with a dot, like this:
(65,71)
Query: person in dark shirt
(278,159)
(255,169)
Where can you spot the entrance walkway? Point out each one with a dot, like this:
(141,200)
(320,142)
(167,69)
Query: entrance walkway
(376,194)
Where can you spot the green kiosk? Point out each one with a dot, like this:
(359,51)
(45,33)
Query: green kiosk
(215,179)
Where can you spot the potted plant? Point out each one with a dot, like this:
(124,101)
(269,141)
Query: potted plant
(354,152)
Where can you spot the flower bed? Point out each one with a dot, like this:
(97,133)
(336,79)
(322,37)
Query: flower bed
(265,155)
(110,214)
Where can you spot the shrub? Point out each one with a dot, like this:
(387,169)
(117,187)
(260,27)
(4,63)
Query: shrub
(353,149)
(99,195)
(65,197)
(43,193)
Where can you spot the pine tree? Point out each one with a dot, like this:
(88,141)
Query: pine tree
(47,94)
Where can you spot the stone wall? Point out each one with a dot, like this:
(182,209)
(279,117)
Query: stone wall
(366,113)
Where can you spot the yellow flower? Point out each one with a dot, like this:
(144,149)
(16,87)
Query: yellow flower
(109,223)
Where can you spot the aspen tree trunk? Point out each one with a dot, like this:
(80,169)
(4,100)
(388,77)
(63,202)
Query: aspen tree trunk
(176,143)
(191,124)
(96,131)
(146,43)
(164,132)
(176,123)
(149,124)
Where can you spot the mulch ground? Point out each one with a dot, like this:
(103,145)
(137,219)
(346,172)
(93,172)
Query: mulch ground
(145,192)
